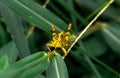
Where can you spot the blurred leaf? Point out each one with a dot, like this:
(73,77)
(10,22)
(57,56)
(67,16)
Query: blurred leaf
(95,47)
(118,1)
(35,14)
(105,74)
(3,36)
(73,19)
(40,76)
(59,12)
(80,60)
(110,13)
(31,41)
(28,67)
(95,70)
(98,61)
(72,11)
(111,33)
(57,68)
(11,51)
(4,63)
(86,62)
(14,24)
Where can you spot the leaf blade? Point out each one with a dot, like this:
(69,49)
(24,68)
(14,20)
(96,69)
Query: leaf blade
(14,23)
(21,68)
(34,14)
(57,68)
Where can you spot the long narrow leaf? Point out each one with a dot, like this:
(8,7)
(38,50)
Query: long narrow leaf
(4,63)
(98,61)
(14,23)
(71,10)
(57,68)
(3,36)
(112,36)
(28,67)
(35,14)
(11,50)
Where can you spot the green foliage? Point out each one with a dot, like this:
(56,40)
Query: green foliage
(25,28)
(14,24)
(11,50)
(4,63)
(112,36)
(28,67)
(57,68)
(97,49)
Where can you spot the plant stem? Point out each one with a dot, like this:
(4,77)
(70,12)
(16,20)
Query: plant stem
(81,34)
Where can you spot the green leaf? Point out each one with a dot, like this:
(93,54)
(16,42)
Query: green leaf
(111,34)
(28,67)
(40,76)
(72,11)
(59,12)
(97,60)
(95,70)
(57,68)
(3,36)
(4,63)
(95,6)
(95,47)
(11,50)
(14,24)
(35,14)
(86,62)
(80,59)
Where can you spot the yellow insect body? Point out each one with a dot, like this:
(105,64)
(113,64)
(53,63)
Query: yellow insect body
(60,40)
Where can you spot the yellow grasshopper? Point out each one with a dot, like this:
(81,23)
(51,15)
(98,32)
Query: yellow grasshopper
(60,40)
